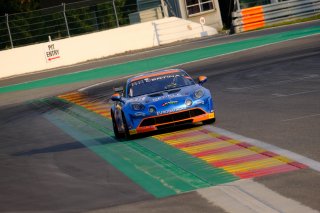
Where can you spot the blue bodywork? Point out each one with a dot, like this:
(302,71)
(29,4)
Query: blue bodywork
(158,100)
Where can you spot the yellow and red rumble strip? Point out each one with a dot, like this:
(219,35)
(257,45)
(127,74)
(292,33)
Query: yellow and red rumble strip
(236,157)
(80,99)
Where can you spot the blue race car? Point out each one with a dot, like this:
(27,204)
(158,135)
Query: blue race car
(158,100)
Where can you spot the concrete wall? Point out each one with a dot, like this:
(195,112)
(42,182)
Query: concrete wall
(173,29)
(77,49)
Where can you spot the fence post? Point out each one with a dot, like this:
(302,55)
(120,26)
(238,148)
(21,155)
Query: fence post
(65,18)
(9,32)
(115,12)
(238,5)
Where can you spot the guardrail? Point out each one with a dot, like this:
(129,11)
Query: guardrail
(260,16)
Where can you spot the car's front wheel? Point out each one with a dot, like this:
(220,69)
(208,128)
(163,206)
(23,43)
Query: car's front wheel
(117,134)
(126,129)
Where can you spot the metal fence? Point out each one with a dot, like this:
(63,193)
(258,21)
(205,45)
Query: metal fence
(63,21)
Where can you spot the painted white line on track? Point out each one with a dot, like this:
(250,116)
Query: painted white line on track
(247,196)
(301,117)
(279,95)
(104,82)
(315,165)
(307,77)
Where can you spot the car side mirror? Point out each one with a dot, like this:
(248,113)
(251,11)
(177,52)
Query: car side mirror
(116,97)
(118,89)
(202,79)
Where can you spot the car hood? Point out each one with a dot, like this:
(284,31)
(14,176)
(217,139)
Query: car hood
(160,98)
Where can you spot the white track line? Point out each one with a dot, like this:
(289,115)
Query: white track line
(301,117)
(247,196)
(315,165)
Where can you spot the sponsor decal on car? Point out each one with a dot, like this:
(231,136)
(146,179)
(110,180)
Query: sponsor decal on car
(167,97)
(138,99)
(199,102)
(169,103)
(170,111)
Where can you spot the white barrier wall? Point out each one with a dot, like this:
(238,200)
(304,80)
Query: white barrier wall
(77,49)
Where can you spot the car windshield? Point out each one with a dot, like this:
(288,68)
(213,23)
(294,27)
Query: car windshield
(158,83)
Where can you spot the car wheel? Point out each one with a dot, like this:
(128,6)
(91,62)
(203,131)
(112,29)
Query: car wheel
(127,133)
(210,121)
(117,134)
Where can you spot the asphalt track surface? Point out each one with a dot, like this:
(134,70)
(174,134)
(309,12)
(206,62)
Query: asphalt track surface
(270,93)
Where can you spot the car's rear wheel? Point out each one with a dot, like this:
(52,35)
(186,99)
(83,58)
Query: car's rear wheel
(117,134)
(210,121)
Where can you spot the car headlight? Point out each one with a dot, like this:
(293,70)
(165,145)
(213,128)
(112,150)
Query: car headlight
(137,106)
(188,102)
(198,94)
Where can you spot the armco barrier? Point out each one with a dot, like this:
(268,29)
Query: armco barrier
(260,16)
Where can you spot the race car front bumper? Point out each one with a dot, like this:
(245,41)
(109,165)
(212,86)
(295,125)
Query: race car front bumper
(172,119)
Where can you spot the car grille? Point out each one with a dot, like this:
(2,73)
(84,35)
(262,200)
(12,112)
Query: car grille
(171,117)
(164,126)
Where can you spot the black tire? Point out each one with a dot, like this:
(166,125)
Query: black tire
(127,133)
(210,121)
(116,132)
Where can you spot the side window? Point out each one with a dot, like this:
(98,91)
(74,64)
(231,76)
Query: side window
(126,89)
(130,92)
(198,6)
